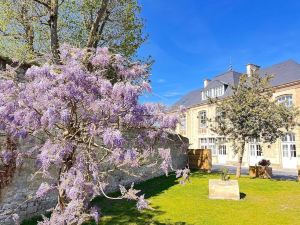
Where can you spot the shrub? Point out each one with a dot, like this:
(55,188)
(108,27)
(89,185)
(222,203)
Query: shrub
(264,162)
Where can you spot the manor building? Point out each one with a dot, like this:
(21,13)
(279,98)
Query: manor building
(284,153)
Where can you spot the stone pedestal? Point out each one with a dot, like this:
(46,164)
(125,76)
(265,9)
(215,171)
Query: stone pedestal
(219,189)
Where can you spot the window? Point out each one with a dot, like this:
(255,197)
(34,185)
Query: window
(206,94)
(293,150)
(289,145)
(202,119)
(213,92)
(203,143)
(219,114)
(222,150)
(208,143)
(288,137)
(219,91)
(255,148)
(211,140)
(212,145)
(285,150)
(286,100)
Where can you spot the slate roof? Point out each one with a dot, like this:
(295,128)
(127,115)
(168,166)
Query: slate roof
(283,73)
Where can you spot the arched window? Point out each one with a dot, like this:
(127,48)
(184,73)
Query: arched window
(286,100)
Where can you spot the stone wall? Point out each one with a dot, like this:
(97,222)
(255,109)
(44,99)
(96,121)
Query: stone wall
(15,198)
(17,193)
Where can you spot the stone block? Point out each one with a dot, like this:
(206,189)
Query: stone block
(31,210)
(8,206)
(219,189)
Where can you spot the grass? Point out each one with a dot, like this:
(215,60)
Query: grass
(265,202)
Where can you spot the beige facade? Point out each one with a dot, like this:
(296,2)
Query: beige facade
(282,154)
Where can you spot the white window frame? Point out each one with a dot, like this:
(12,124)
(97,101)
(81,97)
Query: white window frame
(203,143)
(222,150)
(212,145)
(255,148)
(213,92)
(220,91)
(286,100)
(289,145)
(202,117)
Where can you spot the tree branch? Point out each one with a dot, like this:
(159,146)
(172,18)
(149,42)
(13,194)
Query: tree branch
(42,3)
(95,26)
(100,31)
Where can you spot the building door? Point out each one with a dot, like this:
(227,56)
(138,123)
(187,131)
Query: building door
(289,153)
(222,154)
(255,153)
(212,145)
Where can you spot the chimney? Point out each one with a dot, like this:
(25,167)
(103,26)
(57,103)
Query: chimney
(206,82)
(252,69)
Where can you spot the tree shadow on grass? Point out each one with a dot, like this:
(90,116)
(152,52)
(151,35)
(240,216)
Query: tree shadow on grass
(126,212)
(284,177)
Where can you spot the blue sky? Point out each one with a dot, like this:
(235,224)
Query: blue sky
(191,40)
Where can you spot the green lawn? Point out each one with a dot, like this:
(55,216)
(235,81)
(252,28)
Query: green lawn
(266,202)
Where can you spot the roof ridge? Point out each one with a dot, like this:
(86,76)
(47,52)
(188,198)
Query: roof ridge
(231,71)
(282,62)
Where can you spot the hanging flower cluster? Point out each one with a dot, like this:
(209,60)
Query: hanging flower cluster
(87,121)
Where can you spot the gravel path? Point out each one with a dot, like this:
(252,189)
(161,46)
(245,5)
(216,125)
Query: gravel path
(277,174)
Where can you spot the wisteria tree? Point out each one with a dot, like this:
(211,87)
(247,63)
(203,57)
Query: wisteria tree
(85,120)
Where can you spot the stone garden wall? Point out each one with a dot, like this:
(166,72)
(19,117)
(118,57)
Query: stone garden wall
(16,194)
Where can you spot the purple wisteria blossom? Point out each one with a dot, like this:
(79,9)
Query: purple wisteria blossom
(43,190)
(142,203)
(16,219)
(87,122)
(6,156)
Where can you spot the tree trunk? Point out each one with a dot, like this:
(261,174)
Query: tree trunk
(26,21)
(239,166)
(95,26)
(100,30)
(54,42)
(68,163)
(8,171)
(240,159)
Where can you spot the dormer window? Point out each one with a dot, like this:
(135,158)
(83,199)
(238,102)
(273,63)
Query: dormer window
(286,100)
(213,92)
(220,91)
